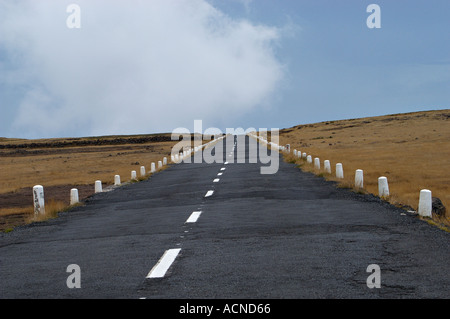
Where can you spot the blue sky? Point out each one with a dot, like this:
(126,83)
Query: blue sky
(339,68)
(153,66)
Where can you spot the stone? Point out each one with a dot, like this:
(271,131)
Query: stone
(437,207)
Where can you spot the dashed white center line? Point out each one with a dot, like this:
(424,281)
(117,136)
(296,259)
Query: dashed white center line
(216,180)
(209,193)
(193,218)
(219,174)
(164,263)
(222,169)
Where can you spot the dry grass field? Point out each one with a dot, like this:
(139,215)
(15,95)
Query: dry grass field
(65,163)
(412,150)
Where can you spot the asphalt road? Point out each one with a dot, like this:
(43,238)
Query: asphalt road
(286,235)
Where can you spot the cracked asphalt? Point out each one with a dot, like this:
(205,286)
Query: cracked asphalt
(289,235)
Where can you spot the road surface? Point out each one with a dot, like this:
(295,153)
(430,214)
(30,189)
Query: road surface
(288,235)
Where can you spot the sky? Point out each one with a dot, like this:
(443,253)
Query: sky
(142,67)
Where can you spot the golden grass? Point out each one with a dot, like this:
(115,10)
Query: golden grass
(64,162)
(26,215)
(26,210)
(78,165)
(52,208)
(60,163)
(412,150)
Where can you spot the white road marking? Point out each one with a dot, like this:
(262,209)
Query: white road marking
(209,193)
(222,169)
(216,180)
(219,174)
(226,163)
(164,263)
(193,218)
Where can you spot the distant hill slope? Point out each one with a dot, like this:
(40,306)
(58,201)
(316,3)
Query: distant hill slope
(412,150)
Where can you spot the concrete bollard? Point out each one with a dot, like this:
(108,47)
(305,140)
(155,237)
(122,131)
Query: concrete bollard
(176,158)
(383,187)
(304,155)
(117,180)
(295,152)
(74,199)
(98,187)
(159,164)
(38,199)
(165,161)
(309,159)
(359,178)
(317,163)
(425,203)
(133,175)
(172,158)
(339,170)
(142,171)
(327,166)
(153,169)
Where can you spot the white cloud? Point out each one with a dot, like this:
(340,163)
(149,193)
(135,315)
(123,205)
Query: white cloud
(134,66)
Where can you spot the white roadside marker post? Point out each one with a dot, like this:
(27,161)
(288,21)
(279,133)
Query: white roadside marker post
(74,199)
(326,166)
(425,203)
(383,187)
(339,170)
(116,180)
(98,186)
(38,199)
(359,178)
(317,163)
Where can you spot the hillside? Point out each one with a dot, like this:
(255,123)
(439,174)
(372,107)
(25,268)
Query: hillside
(412,150)
(60,164)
